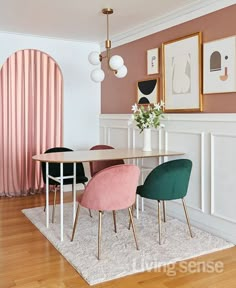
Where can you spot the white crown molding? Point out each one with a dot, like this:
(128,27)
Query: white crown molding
(199,117)
(176,17)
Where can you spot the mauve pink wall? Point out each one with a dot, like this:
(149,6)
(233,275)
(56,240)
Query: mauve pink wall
(118,95)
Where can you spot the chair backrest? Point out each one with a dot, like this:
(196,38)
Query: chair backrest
(54,168)
(168,181)
(96,166)
(112,188)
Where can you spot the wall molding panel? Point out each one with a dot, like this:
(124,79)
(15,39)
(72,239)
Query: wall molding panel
(222,192)
(209,141)
(200,137)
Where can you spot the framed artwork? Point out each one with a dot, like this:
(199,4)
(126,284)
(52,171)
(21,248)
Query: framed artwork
(182,74)
(153,61)
(219,66)
(148,91)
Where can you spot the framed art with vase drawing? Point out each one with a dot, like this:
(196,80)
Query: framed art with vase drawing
(182,74)
(219,66)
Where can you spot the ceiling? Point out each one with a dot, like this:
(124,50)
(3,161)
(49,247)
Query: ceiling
(83,20)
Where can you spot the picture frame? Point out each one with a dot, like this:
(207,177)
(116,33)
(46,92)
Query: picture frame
(148,91)
(182,74)
(219,66)
(153,61)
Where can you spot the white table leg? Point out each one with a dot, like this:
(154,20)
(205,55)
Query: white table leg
(61,198)
(74,192)
(47,196)
(137,206)
(142,204)
(142,200)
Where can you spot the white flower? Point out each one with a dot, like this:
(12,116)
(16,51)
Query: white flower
(147,116)
(162,104)
(135,108)
(157,106)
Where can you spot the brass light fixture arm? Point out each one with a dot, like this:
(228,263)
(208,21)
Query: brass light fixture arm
(107,11)
(114,63)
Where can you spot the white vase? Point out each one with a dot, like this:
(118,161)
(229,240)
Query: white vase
(147,139)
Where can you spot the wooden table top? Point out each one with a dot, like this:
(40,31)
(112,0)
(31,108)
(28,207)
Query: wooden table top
(98,155)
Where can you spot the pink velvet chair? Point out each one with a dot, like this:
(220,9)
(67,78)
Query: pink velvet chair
(96,166)
(113,188)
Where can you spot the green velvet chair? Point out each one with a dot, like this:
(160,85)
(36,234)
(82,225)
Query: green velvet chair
(168,181)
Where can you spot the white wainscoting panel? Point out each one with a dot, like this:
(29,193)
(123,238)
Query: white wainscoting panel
(223,175)
(118,135)
(191,143)
(209,140)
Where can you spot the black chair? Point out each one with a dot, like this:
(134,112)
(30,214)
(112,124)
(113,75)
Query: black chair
(54,170)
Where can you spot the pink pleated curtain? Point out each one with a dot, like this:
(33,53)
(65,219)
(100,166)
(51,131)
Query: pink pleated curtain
(30,118)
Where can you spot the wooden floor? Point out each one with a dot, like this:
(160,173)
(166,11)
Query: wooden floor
(28,260)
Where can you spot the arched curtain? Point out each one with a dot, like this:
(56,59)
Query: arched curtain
(30,118)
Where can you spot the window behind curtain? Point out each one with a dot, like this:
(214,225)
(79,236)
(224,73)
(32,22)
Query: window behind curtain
(30,118)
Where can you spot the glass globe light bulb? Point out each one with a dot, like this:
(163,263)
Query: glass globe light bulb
(94,58)
(97,75)
(122,72)
(116,62)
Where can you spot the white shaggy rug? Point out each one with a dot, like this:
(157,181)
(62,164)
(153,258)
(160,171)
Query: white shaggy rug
(119,256)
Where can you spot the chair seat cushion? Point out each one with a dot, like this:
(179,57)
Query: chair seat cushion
(79,179)
(146,194)
(153,194)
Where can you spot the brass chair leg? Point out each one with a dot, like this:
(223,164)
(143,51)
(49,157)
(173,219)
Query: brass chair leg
(76,220)
(114,220)
(44,209)
(159,220)
(164,210)
(132,223)
(90,213)
(99,233)
(54,204)
(187,218)
(132,210)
